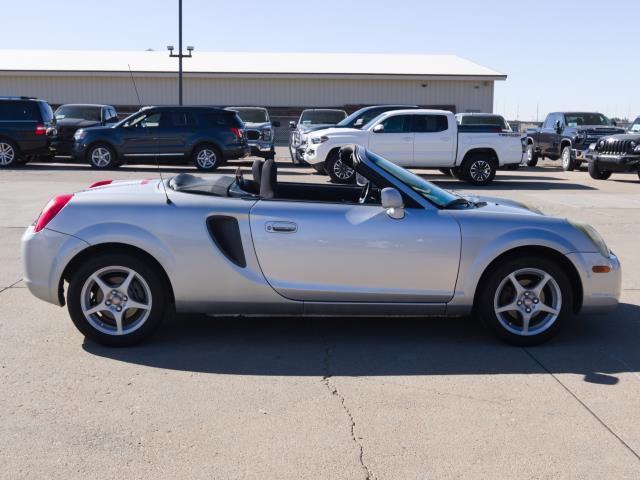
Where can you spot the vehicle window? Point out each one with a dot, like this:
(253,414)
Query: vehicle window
(635,127)
(252,115)
(10,110)
(111,114)
(397,124)
(429,123)
(316,117)
(181,119)
(78,112)
(47,112)
(146,121)
(579,119)
(496,120)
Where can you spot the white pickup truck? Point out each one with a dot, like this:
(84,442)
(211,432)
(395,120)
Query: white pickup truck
(420,139)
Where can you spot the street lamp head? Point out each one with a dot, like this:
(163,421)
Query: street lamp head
(190,49)
(170,48)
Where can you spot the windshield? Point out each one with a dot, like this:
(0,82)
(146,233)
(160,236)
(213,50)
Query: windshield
(578,119)
(434,194)
(252,115)
(316,117)
(635,127)
(496,120)
(79,112)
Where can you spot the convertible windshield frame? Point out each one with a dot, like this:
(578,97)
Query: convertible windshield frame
(433,194)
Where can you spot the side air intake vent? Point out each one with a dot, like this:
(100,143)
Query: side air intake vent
(225,233)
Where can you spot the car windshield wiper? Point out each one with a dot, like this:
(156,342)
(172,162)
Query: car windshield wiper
(459,202)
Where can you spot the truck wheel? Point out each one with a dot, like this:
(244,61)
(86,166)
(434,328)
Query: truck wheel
(338,171)
(102,156)
(207,158)
(531,156)
(8,154)
(568,163)
(596,173)
(479,169)
(445,171)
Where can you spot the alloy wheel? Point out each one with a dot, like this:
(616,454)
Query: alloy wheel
(116,300)
(7,154)
(566,159)
(480,171)
(342,171)
(206,158)
(101,157)
(527,302)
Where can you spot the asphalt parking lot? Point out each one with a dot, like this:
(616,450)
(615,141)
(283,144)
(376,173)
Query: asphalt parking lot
(322,399)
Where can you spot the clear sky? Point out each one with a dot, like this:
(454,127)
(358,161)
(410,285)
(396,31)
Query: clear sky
(562,54)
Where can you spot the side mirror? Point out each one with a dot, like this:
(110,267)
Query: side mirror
(292,125)
(378,128)
(275,123)
(392,202)
(358,123)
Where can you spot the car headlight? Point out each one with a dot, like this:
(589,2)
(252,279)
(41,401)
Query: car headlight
(266,133)
(593,235)
(79,135)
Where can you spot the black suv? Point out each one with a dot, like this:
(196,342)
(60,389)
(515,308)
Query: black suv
(205,135)
(25,127)
(72,117)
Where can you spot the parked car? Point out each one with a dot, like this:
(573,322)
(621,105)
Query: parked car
(206,136)
(310,119)
(567,135)
(258,128)
(72,117)
(390,246)
(483,119)
(26,127)
(615,153)
(421,139)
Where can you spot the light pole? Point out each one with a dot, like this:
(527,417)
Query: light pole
(180,55)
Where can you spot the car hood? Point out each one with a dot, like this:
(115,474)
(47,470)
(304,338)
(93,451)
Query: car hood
(623,136)
(76,123)
(503,205)
(313,128)
(599,129)
(335,131)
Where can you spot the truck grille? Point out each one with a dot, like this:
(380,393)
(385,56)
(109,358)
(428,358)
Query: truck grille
(253,134)
(613,147)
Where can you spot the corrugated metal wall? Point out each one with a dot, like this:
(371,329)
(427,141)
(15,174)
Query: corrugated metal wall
(271,92)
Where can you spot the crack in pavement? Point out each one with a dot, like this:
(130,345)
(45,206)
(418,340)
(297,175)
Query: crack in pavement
(10,286)
(326,380)
(584,405)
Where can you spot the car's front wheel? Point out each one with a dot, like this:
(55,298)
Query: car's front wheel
(568,163)
(525,301)
(207,158)
(337,170)
(479,170)
(102,156)
(8,154)
(116,299)
(596,173)
(531,156)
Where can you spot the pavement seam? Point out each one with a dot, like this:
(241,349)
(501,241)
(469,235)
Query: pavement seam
(333,389)
(10,286)
(584,405)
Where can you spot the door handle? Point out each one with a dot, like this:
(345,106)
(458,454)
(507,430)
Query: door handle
(281,227)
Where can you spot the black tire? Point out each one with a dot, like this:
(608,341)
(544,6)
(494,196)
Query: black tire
(102,157)
(531,156)
(207,158)
(9,154)
(445,171)
(568,162)
(337,171)
(152,291)
(596,173)
(479,169)
(498,291)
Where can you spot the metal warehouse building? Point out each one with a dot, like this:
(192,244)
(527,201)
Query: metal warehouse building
(284,82)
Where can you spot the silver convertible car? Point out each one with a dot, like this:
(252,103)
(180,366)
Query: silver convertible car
(394,245)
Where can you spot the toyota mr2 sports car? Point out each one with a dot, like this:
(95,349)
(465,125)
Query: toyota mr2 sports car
(394,244)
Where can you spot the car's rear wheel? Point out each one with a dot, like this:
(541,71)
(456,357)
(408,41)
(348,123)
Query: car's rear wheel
(9,156)
(337,170)
(116,299)
(207,158)
(568,163)
(480,169)
(526,300)
(531,156)
(596,173)
(102,157)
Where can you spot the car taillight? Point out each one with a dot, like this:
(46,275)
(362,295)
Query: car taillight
(238,132)
(52,209)
(100,183)
(40,129)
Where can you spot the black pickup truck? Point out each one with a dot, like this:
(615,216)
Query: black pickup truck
(567,136)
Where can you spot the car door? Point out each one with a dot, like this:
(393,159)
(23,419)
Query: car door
(138,137)
(173,134)
(395,142)
(547,137)
(320,252)
(434,143)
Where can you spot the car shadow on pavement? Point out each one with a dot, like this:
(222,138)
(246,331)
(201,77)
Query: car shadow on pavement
(598,347)
(507,182)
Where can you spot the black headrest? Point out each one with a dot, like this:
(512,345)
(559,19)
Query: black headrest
(346,155)
(269,179)
(256,170)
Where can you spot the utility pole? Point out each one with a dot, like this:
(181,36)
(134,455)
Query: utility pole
(180,55)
